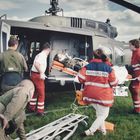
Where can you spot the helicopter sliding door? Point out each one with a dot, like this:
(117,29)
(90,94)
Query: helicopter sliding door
(4,35)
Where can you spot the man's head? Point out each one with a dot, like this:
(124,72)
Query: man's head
(46,48)
(133,44)
(13,43)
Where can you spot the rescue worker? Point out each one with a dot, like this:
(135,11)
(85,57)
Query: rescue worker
(12,105)
(12,65)
(98,79)
(134,86)
(38,76)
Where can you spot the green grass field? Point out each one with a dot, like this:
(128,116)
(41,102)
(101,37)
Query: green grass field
(127,125)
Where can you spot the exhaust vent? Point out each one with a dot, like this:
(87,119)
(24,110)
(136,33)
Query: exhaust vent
(76,22)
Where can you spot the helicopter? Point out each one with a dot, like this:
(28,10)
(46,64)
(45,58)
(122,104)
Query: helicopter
(77,37)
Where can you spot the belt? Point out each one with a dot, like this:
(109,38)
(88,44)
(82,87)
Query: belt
(35,72)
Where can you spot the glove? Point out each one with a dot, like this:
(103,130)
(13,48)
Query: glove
(12,127)
(43,76)
(129,69)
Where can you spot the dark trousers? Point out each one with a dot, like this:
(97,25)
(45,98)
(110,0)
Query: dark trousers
(10,80)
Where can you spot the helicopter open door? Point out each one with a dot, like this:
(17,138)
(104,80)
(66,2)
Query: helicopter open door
(4,35)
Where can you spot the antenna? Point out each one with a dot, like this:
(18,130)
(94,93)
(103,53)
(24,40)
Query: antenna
(54,9)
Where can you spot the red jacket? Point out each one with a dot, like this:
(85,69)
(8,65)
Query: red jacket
(98,79)
(135,62)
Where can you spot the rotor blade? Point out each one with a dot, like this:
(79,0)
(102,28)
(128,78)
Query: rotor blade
(127,5)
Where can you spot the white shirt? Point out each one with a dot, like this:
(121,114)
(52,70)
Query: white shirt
(40,58)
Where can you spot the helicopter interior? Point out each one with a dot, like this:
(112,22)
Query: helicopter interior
(31,40)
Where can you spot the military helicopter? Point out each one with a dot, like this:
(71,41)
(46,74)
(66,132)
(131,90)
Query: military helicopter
(77,37)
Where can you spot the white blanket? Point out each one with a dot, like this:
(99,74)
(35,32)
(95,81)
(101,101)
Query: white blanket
(121,73)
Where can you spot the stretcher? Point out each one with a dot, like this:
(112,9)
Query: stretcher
(59,66)
(66,125)
(121,90)
(122,76)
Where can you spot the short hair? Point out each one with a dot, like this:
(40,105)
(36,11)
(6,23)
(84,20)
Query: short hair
(99,54)
(45,46)
(12,41)
(135,42)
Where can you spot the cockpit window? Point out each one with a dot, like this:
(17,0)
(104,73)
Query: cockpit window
(119,51)
(103,27)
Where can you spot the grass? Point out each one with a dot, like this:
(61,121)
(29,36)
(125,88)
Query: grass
(127,125)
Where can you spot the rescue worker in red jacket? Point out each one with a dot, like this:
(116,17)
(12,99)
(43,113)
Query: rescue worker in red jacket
(38,76)
(98,79)
(134,86)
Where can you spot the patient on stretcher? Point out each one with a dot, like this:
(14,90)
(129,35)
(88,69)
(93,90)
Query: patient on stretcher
(65,63)
(62,58)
